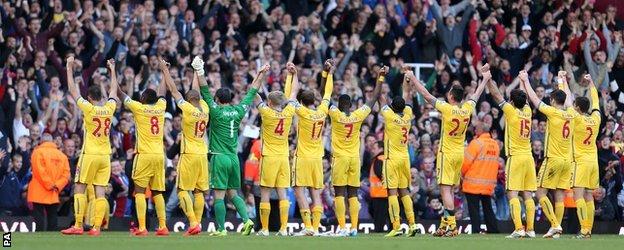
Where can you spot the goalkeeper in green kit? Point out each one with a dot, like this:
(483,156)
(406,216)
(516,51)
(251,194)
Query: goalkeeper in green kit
(225,120)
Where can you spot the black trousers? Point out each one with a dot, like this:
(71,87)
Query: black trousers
(378,209)
(474,200)
(45,216)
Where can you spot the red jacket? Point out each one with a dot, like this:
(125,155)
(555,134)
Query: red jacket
(50,174)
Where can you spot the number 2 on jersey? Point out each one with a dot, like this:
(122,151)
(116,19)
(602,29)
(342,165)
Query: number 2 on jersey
(279,129)
(587,140)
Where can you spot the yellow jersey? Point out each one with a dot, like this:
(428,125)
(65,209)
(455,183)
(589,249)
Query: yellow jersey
(517,129)
(275,129)
(194,121)
(396,132)
(455,121)
(310,126)
(345,130)
(586,129)
(559,125)
(149,120)
(96,126)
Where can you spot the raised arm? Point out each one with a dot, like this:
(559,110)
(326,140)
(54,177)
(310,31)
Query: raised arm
(114,84)
(329,83)
(593,93)
(71,85)
(259,79)
(421,89)
(289,79)
(377,91)
(327,67)
(494,92)
(487,76)
(524,82)
(162,87)
(563,85)
(295,82)
(168,81)
(405,86)
(195,82)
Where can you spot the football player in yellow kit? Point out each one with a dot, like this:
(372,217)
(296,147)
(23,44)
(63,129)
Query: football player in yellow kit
(308,162)
(585,152)
(276,115)
(456,114)
(556,170)
(94,164)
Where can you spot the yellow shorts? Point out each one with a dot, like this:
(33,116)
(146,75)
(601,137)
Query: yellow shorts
(448,168)
(148,170)
(555,173)
(520,173)
(585,173)
(396,173)
(308,172)
(346,171)
(93,169)
(193,172)
(275,172)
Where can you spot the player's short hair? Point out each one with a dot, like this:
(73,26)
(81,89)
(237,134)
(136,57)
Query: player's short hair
(344,102)
(582,103)
(224,95)
(149,96)
(277,98)
(558,96)
(94,92)
(306,97)
(518,98)
(457,92)
(398,104)
(192,95)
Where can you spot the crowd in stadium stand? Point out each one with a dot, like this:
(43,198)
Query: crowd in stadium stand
(236,37)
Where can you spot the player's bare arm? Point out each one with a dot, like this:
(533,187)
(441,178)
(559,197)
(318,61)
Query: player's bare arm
(328,68)
(168,81)
(71,85)
(421,88)
(328,87)
(562,80)
(377,91)
(487,76)
(114,86)
(295,83)
(259,79)
(593,92)
(524,82)
(407,81)
(494,92)
(162,87)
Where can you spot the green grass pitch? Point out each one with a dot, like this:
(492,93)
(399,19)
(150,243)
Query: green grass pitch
(122,240)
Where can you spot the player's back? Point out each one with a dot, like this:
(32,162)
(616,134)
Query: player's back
(224,124)
(517,129)
(455,121)
(559,125)
(149,120)
(345,130)
(586,128)
(396,132)
(194,122)
(275,129)
(96,126)
(310,126)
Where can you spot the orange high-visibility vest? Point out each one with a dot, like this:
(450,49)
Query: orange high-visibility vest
(377,189)
(480,167)
(568,200)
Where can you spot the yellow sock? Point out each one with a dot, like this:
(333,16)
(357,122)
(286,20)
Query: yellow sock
(591,210)
(341,210)
(306,217)
(581,212)
(354,212)
(141,207)
(452,223)
(284,206)
(530,214)
(265,211)
(159,204)
(515,211)
(395,212)
(186,204)
(559,209)
(80,201)
(408,205)
(100,206)
(549,212)
(198,206)
(317,213)
(90,205)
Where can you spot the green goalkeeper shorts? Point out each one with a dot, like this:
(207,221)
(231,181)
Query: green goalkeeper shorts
(224,172)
